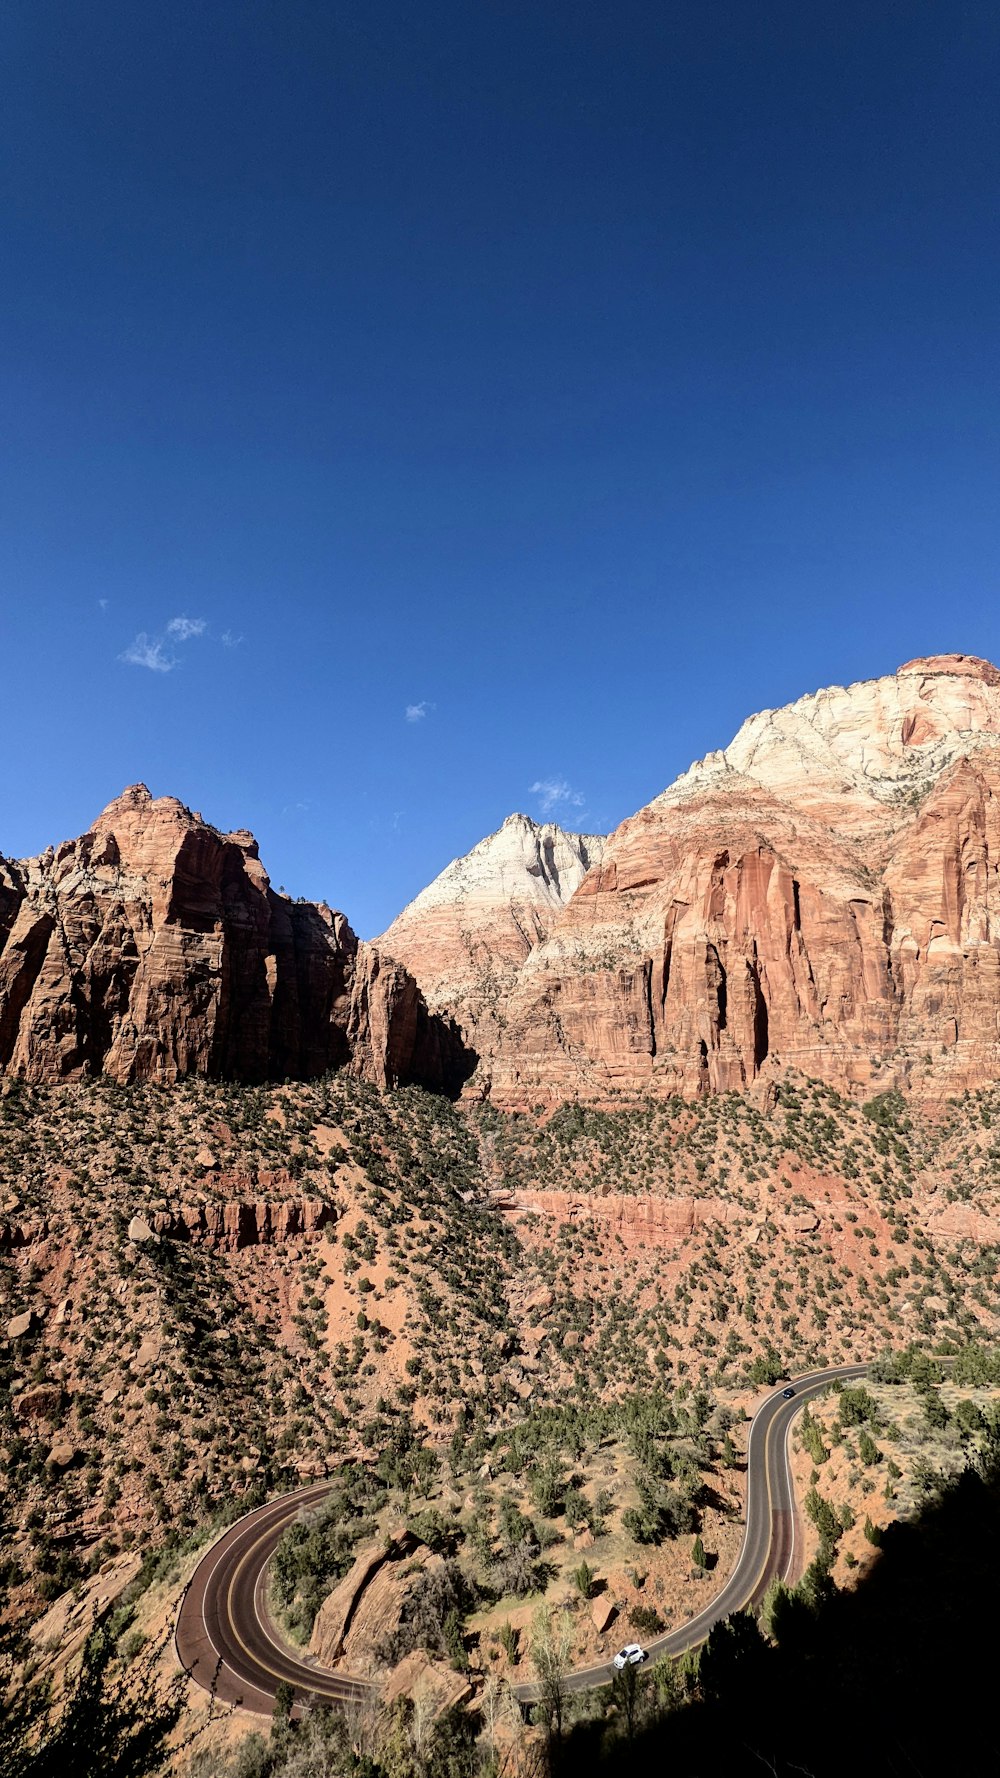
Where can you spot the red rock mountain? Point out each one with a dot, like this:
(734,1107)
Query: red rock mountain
(822,894)
(154,947)
(468,933)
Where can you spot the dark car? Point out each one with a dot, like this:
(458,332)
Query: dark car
(788,1393)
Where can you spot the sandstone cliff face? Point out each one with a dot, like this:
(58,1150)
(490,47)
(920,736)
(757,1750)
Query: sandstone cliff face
(852,755)
(154,947)
(467,934)
(233,1226)
(821,895)
(230,1226)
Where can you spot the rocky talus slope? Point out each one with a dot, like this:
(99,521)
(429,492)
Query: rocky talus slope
(467,934)
(821,895)
(154,947)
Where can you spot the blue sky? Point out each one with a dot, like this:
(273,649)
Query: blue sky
(407,409)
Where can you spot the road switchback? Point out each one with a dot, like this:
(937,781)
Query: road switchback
(228,1643)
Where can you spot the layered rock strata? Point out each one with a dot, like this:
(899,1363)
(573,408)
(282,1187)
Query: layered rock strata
(154,947)
(257,1223)
(467,934)
(820,895)
(340,1607)
(823,895)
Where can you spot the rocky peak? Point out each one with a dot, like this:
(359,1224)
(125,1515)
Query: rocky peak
(959,666)
(134,796)
(137,808)
(525,859)
(154,947)
(848,752)
(465,936)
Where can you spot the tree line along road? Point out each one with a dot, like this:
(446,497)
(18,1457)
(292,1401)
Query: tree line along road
(227,1642)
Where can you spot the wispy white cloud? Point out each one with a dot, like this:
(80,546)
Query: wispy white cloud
(103,604)
(183,628)
(418,712)
(228,640)
(556,793)
(296,808)
(148,651)
(155,652)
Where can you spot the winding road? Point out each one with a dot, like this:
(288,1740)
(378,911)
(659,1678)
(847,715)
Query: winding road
(225,1638)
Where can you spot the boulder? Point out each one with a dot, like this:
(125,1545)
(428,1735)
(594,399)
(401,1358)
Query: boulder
(58,1636)
(431,1685)
(337,1609)
(384,1607)
(799,1222)
(42,1402)
(21,1325)
(603,1611)
(964,1222)
(27,1232)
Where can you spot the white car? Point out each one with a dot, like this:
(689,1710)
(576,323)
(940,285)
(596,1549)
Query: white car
(632,1655)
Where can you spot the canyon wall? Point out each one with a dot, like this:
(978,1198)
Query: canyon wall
(819,895)
(154,947)
(823,895)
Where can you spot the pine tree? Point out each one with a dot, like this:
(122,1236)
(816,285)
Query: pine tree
(583,1580)
(868,1450)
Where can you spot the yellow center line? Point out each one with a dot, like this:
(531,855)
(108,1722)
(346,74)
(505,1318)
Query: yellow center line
(805,1399)
(314,1675)
(255,1659)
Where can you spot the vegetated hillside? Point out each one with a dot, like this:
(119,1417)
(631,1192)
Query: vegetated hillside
(917,1447)
(868,1454)
(325,1273)
(300,1254)
(890,1673)
(806,1222)
(589,1510)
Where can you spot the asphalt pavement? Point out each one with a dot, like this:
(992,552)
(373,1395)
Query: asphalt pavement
(227,1641)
